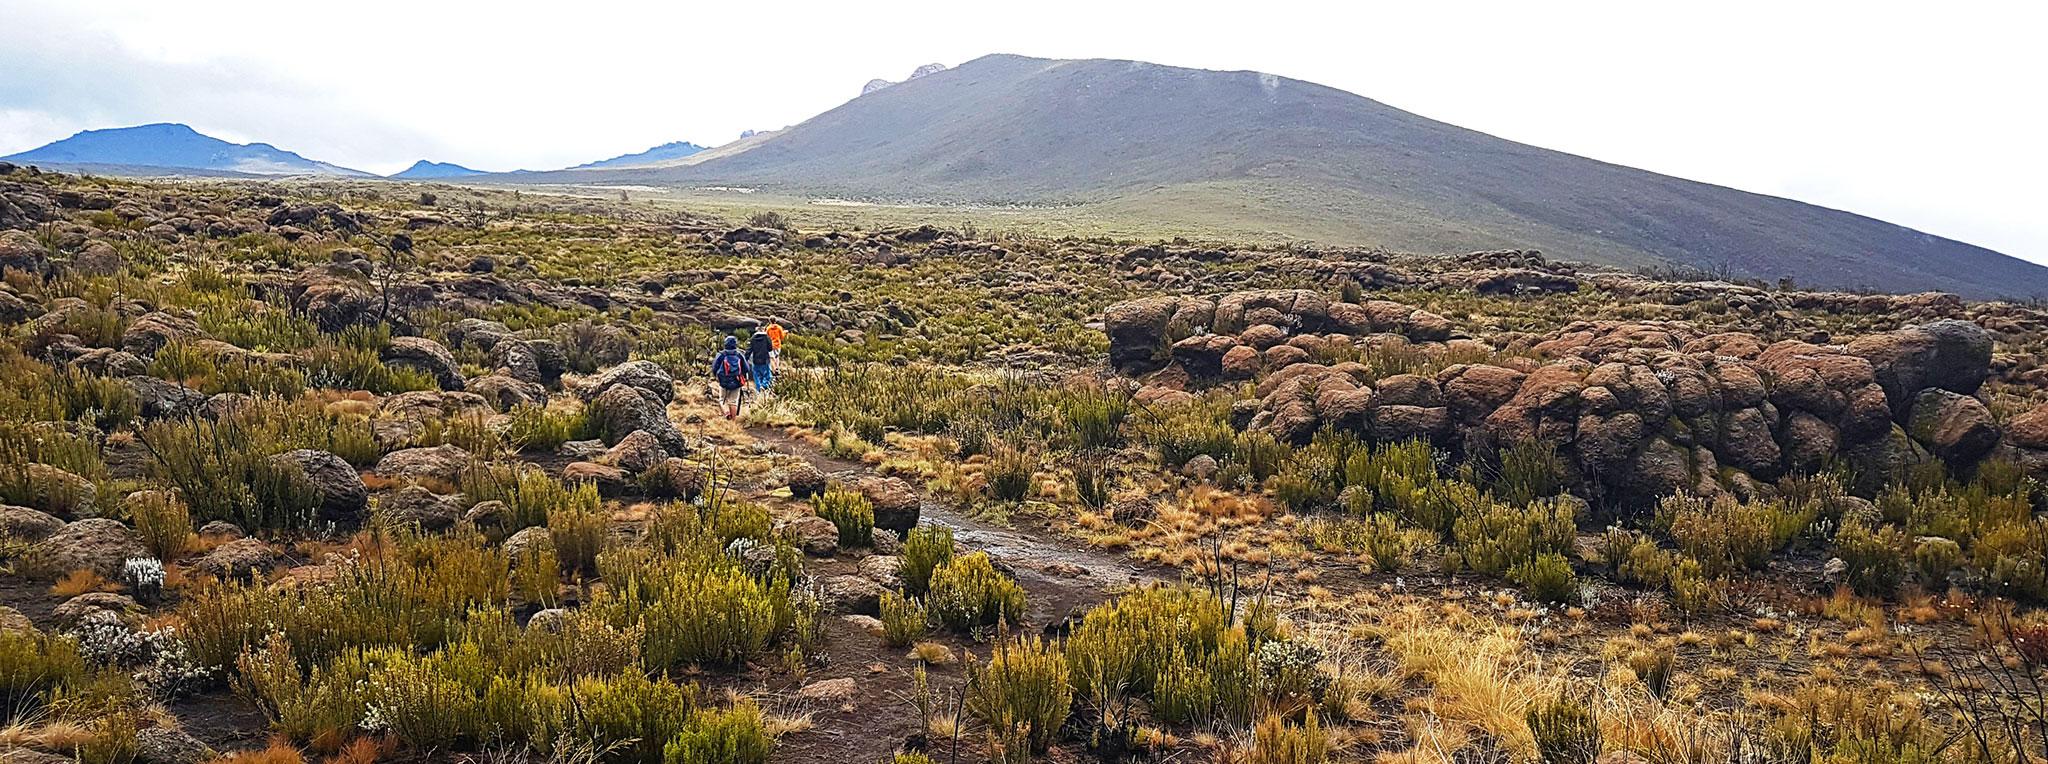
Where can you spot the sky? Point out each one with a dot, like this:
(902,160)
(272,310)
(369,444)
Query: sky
(1929,115)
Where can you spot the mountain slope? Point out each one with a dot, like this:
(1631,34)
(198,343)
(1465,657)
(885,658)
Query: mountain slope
(169,146)
(1244,151)
(667,152)
(425,170)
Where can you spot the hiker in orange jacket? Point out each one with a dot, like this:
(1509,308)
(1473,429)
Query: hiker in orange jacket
(775,333)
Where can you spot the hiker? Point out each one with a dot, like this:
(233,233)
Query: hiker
(761,356)
(731,370)
(775,333)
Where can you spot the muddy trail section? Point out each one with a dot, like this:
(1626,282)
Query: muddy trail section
(1061,577)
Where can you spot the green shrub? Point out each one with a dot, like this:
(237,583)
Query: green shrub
(1875,557)
(345,366)
(1548,577)
(924,550)
(967,592)
(1094,416)
(1934,558)
(850,512)
(580,527)
(33,666)
(692,607)
(1175,645)
(1727,535)
(633,715)
(1378,536)
(107,404)
(530,495)
(1491,537)
(1183,432)
(1277,741)
(538,428)
(1009,474)
(224,471)
(1023,690)
(903,620)
(738,735)
(161,522)
(1565,731)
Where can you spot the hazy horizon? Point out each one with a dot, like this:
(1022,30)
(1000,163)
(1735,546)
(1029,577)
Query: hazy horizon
(1922,120)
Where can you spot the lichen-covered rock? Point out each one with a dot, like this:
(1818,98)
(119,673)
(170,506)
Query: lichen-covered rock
(610,480)
(622,410)
(55,491)
(506,393)
(241,558)
(636,453)
(163,745)
(98,544)
(1951,355)
(645,376)
(416,506)
(343,497)
(804,480)
(426,356)
(850,594)
(896,504)
(444,462)
(1957,428)
(25,524)
(815,535)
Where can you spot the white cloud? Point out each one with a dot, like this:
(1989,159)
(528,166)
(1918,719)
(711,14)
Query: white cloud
(1923,115)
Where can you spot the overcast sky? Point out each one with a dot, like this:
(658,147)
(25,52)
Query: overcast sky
(1929,115)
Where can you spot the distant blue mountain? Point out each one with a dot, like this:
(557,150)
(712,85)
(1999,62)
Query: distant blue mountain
(662,153)
(425,170)
(170,146)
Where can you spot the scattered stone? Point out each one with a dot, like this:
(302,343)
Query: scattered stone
(426,356)
(443,462)
(815,535)
(25,524)
(896,503)
(850,594)
(417,506)
(163,745)
(829,690)
(98,544)
(804,480)
(343,497)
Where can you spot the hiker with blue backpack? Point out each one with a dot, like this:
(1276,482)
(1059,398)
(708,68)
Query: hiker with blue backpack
(731,369)
(761,356)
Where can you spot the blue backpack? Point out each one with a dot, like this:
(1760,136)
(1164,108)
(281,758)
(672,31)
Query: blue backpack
(730,368)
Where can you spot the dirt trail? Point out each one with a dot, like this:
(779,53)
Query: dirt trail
(1041,560)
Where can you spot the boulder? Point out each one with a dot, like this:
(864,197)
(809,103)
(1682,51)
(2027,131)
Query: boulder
(417,506)
(528,540)
(241,558)
(1951,355)
(622,410)
(151,332)
(488,516)
(804,480)
(896,503)
(92,606)
(645,376)
(883,569)
(1241,362)
(343,497)
(443,462)
(843,595)
(1957,428)
(20,251)
(99,544)
(55,491)
(25,524)
(636,453)
(815,535)
(674,477)
(610,481)
(506,393)
(159,399)
(2029,430)
(1140,331)
(828,691)
(1202,355)
(426,356)
(163,745)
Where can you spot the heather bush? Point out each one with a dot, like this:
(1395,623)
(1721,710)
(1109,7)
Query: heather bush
(1491,537)
(1021,693)
(924,550)
(1565,731)
(694,607)
(34,666)
(1275,740)
(1548,577)
(903,620)
(161,522)
(850,512)
(967,592)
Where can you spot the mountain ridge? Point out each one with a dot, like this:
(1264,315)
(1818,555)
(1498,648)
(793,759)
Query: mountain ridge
(175,146)
(1261,152)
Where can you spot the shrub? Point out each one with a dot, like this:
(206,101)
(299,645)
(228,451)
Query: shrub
(1875,557)
(1653,668)
(1491,537)
(1184,432)
(903,620)
(1727,535)
(850,512)
(1175,645)
(1529,470)
(1378,536)
(738,735)
(1276,741)
(33,666)
(1565,731)
(348,366)
(1548,577)
(968,591)
(1094,416)
(1022,690)
(924,550)
(1290,674)
(1009,474)
(1934,558)
(693,607)
(162,523)
(538,428)
(224,471)
(633,716)
(530,495)
(579,527)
